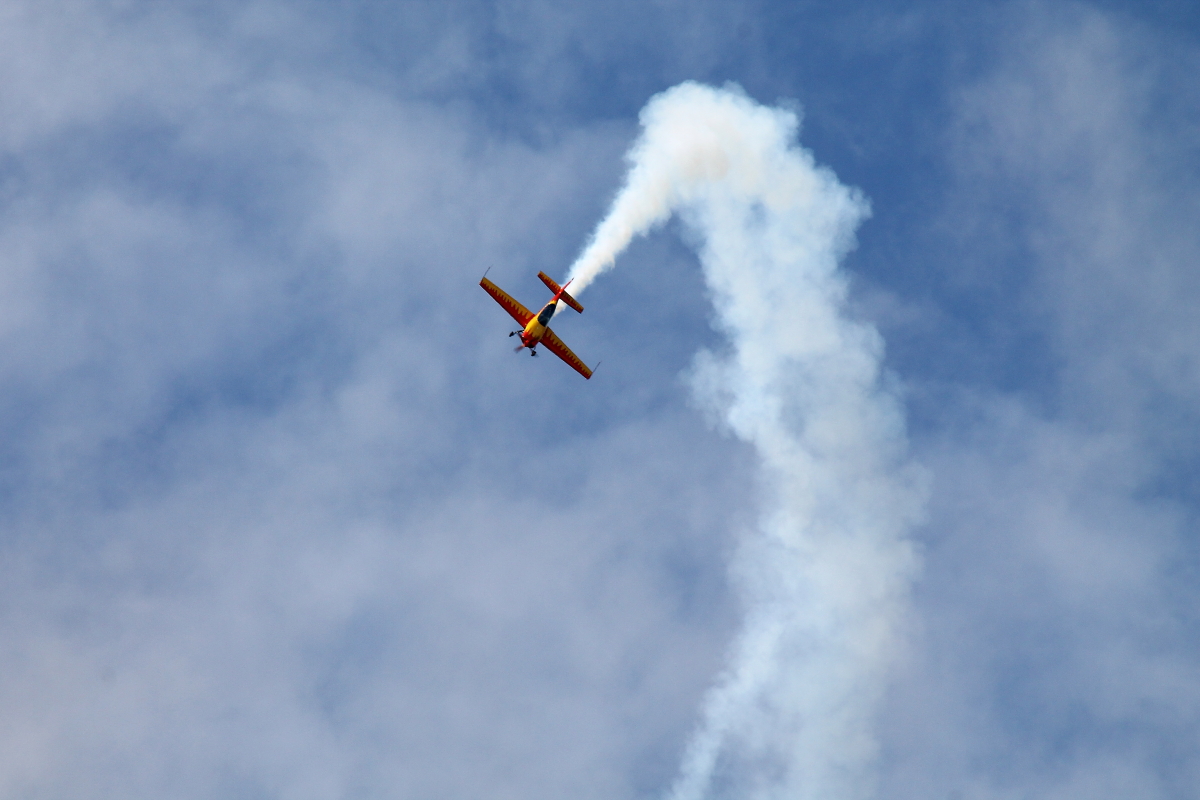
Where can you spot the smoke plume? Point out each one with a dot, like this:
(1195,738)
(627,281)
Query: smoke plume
(825,575)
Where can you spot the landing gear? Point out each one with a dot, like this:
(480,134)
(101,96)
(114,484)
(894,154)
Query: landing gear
(512,333)
(533,352)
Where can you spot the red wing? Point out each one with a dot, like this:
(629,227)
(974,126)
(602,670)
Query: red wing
(519,312)
(555,345)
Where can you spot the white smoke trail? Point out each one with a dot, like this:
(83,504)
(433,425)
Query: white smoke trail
(826,576)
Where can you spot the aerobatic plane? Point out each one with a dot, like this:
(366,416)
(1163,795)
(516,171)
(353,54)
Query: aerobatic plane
(535,327)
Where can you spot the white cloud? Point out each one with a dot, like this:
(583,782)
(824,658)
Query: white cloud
(276,522)
(282,516)
(1058,655)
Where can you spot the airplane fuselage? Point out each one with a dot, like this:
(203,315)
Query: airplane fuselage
(535,329)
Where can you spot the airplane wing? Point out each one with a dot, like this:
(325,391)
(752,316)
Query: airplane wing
(555,345)
(519,312)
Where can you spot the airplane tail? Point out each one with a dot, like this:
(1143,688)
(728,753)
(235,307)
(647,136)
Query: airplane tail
(554,287)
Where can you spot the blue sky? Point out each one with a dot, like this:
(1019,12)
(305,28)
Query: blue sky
(283,516)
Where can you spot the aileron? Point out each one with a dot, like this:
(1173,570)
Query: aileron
(518,312)
(555,345)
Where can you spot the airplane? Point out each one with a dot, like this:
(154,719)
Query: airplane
(535,328)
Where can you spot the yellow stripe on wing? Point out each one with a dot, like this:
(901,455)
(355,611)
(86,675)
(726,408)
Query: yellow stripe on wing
(518,312)
(555,345)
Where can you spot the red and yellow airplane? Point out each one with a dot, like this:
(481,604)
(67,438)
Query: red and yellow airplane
(535,328)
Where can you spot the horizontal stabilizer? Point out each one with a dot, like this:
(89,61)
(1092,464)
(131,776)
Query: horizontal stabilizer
(554,287)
